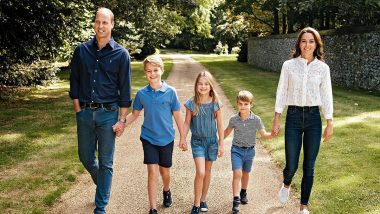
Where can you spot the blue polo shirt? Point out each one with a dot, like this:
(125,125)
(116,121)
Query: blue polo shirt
(158,113)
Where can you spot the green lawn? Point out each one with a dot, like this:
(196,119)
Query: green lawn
(348,167)
(38,147)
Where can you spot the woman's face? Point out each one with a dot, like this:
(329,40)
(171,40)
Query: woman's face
(307,44)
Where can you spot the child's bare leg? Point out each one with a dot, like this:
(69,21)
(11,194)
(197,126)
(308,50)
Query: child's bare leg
(245,180)
(206,180)
(198,180)
(237,175)
(152,184)
(165,174)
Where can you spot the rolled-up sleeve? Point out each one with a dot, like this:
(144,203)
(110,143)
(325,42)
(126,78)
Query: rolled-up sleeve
(74,75)
(125,80)
(326,95)
(282,89)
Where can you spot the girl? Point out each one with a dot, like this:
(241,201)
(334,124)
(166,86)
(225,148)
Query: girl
(204,118)
(304,86)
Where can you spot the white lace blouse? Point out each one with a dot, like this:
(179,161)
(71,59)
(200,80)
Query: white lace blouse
(303,84)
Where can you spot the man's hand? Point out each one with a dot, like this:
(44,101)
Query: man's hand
(118,128)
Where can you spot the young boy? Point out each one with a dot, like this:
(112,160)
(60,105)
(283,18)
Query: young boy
(160,103)
(245,124)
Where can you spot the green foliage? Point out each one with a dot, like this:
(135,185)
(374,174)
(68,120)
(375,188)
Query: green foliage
(34,30)
(38,73)
(243,53)
(221,49)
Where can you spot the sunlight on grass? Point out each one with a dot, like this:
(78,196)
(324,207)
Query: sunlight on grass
(11,137)
(363,117)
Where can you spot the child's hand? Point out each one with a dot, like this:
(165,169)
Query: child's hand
(183,145)
(118,130)
(220,151)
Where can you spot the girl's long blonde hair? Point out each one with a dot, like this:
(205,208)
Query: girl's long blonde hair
(212,94)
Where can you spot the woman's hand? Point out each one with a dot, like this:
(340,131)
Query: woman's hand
(327,134)
(275,127)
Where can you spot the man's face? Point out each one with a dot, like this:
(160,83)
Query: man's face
(103,24)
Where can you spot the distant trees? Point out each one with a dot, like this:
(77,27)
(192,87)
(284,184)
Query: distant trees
(50,29)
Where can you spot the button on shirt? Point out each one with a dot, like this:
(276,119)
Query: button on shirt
(158,113)
(245,130)
(101,76)
(303,84)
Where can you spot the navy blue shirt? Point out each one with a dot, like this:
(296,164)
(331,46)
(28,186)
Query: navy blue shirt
(101,76)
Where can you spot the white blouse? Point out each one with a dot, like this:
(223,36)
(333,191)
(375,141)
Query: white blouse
(303,84)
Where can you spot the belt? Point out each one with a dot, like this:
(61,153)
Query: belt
(306,108)
(94,106)
(244,147)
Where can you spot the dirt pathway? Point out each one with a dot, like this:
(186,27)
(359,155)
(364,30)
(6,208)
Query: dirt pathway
(129,192)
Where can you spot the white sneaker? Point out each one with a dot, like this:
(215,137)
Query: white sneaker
(304,211)
(283,194)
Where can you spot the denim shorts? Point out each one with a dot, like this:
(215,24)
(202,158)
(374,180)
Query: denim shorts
(161,155)
(206,147)
(242,158)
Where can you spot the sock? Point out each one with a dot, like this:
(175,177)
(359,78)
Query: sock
(243,191)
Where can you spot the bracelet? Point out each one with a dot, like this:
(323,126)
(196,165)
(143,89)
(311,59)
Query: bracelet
(123,120)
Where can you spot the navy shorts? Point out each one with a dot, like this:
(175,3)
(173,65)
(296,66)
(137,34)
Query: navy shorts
(161,155)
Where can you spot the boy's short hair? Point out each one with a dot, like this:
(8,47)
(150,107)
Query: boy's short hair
(245,96)
(155,59)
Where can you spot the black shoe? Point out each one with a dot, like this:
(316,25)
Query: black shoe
(153,211)
(167,198)
(243,198)
(195,210)
(235,205)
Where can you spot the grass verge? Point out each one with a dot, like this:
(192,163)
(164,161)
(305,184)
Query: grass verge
(38,145)
(348,167)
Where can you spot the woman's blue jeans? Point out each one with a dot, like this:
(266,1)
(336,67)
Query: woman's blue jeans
(94,129)
(303,129)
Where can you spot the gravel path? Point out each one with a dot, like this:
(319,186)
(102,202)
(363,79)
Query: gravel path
(129,188)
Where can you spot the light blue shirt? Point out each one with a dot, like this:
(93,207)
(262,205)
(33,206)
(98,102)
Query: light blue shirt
(158,113)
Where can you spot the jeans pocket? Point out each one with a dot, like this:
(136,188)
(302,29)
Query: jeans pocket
(291,111)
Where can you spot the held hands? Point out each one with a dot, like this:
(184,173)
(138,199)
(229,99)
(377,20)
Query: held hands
(220,150)
(275,127)
(118,128)
(182,145)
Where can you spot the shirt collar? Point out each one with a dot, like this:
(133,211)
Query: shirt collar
(299,58)
(251,116)
(163,88)
(111,42)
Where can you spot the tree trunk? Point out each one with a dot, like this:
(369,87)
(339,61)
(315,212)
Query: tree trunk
(276,28)
(284,23)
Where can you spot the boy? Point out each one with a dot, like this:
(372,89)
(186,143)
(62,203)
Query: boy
(245,125)
(160,103)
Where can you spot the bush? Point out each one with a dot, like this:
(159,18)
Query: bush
(235,50)
(221,49)
(37,73)
(243,54)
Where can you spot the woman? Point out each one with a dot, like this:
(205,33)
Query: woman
(304,85)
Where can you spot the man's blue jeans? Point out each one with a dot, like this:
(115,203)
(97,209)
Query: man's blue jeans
(94,128)
(303,129)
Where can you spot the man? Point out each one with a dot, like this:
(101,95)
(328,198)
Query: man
(100,83)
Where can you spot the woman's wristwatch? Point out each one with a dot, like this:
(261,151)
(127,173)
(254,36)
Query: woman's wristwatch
(123,120)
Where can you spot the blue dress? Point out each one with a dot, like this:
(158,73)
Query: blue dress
(204,140)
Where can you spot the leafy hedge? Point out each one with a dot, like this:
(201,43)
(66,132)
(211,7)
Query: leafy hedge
(37,73)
